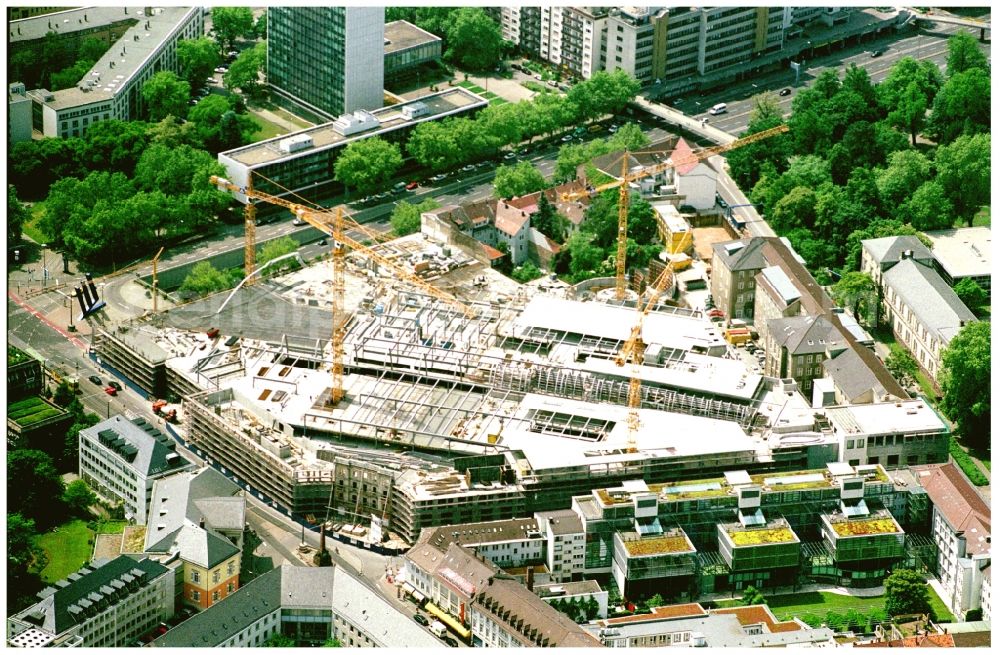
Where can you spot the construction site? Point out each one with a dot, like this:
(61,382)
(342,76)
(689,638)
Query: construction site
(406,384)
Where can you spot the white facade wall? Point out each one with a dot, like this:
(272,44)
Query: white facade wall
(510,24)
(986,600)
(504,554)
(114,478)
(18,117)
(492,633)
(256,633)
(552,34)
(364,54)
(960,575)
(698,186)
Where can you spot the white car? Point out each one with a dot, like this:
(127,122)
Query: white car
(221,69)
(298,221)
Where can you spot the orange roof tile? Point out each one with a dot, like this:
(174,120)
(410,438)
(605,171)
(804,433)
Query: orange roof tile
(660,613)
(754,614)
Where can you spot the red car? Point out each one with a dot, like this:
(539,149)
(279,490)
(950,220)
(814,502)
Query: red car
(111,391)
(412,185)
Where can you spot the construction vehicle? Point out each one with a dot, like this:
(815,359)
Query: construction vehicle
(333,223)
(169,415)
(626,179)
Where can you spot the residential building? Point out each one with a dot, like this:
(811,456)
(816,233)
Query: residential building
(775,296)
(112,88)
(450,581)
(328,59)
(893,435)
(310,605)
(506,614)
(564,541)
(199,516)
(796,347)
(107,604)
(734,269)
(408,47)
(960,527)
(691,625)
(122,459)
(964,253)
(508,543)
(879,255)
(513,226)
(301,162)
(924,312)
(18,113)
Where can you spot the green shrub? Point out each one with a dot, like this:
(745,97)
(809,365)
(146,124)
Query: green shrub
(968,466)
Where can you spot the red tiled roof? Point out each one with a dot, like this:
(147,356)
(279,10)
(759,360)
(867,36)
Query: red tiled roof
(755,614)
(660,613)
(509,219)
(959,502)
(491,252)
(923,641)
(682,153)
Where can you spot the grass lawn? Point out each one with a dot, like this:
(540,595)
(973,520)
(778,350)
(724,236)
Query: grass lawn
(818,603)
(111,527)
(67,549)
(267,128)
(30,228)
(982,218)
(940,609)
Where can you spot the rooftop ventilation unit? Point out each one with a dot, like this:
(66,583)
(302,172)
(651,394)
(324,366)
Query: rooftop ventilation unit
(359,121)
(415,110)
(295,143)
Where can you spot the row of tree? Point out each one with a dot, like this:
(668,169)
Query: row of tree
(368,164)
(579,609)
(204,279)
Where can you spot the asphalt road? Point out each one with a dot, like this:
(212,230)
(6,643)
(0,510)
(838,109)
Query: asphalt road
(930,43)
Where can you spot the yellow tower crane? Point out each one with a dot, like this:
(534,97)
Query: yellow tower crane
(622,184)
(332,223)
(634,348)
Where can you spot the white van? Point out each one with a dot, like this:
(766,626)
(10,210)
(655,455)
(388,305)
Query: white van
(718,109)
(438,629)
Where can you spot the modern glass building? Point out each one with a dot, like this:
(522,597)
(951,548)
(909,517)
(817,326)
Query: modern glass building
(327,59)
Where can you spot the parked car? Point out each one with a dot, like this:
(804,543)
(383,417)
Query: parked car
(509,156)
(298,221)
(524,152)
(468,168)
(399,187)
(595,128)
(784,92)
(115,385)
(221,69)
(111,391)
(553,84)
(538,77)
(440,177)
(876,53)
(567,138)
(720,200)
(421,619)
(96,380)
(450,641)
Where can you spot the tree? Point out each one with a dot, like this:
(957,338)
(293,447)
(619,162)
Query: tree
(604,93)
(929,208)
(173,132)
(63,395)
(964,173)
(796,209)
(332,642)
(70,456)
(278,248)
(904,72)
(166,95)
(965,381)
(23,555)
(232,23)
(906,593)
(433,146)
(585,257)
(32,484)
(656,600)
(971,294)
(549,221)
(504,124)
(245,72)
(748,163)
(964,54)
(17,216)
(367,164)
(962,106)
(517,180)
(204,279)
(79,498)
(405,217)
(910,112)
(474,40)
(905,172)
(753,596)
(115,145)
(197,58)
(901,365)
(526,273)
(220,127)
(260,27)
(279,640)
(857,291)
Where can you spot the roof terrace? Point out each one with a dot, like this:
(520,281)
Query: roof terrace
(776,532)
(673,542)
(877,523)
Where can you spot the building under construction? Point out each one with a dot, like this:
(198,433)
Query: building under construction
(452,417)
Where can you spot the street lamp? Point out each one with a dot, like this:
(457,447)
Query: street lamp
(69,305)
(45,272)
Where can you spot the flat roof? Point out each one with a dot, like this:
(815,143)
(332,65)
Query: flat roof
(667,544)
(880,522)
(65,22)
(660,435)
(885,418)
(71,97)
(965,252)
(403,35)
(443,103)
(775,532)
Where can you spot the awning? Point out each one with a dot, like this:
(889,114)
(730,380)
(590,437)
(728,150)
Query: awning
(448,620)
(409,589)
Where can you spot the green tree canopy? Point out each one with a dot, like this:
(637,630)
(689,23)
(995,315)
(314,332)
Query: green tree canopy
(115,145)
(17,216)
(526,273)
(279,641)
(901,365)
(925,74)
(906,593)
(368,164)
(219,125)
(232,23)
(964,173)
(405,217)
(929,208)
(23,555)
(549,221)
(433,145)
(205,279)
(856,291)
(245,72)
(518,180)
(278,248)
(165,95)
(965,380)
(79,498)
(964,54)
(32,484)
(905,172)
(971,294)
(961,107)
(909,113)
(474,40)
(197,58)
(753,596)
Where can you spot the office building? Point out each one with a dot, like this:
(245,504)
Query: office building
(879,255)
(796,347)
(112,88)
(308,605)
(18,113)
(964,254)
(407,48)
(108,604)
(327,59)
(121,460)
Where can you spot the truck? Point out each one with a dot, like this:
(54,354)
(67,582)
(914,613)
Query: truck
(438,629)
(169,415)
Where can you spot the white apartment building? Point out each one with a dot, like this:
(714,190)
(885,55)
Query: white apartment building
(565,544)
(960,527)
(108,604)
(121,459)
(112,88)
